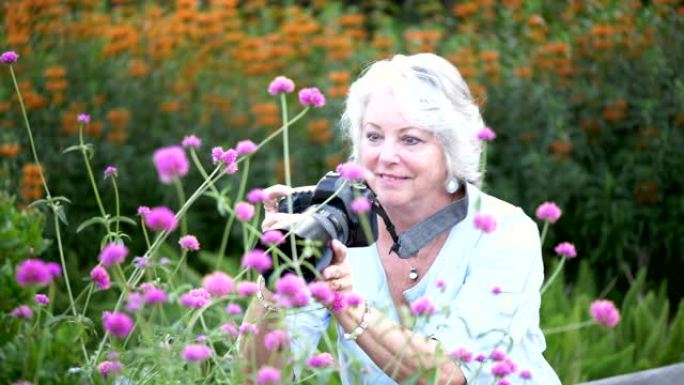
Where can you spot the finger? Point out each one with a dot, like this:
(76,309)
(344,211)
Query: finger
(271,195)
(275,220)
(331,272)
(339,252)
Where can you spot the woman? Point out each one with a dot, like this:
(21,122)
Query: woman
(413,127)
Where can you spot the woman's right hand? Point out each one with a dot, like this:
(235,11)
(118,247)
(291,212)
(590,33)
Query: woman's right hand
(274,219)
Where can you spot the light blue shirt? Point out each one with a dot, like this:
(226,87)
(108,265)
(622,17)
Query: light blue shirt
(469,315)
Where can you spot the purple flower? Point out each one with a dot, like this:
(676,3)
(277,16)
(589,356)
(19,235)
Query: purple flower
(503,381)
(152,294)
(353,299)
(218,284)
(171,162)
(272,237)
(143,211)
(248,328)
(134,302)
(191,141)
(485,222)
(525,374)
(497,355)
(33,272)
(247,288)
(503,368)
(480,357)
(441,284)
(486,134)
(109,368)
(360,205)
(195,298)
(22,311)
(268,375)
(189,242)
(55,269)
(245,147)
(461,354)
(566,249)
(9,57)
(605,313)
(161,218)
(83,118)
(340,302)
(113,254)
(255,195)
(117,324)
(549,211)
(244,211)
(322,360)
(257,259)
(100,277)
(195,353)
(281,84)
(276,340)
(110,170)
(311,97)
(291,291)
(141,262)
(321,292)
(422,306)
(350,171)
(233,309)
(230,328)
(216,155)
(42,299)
(496,290)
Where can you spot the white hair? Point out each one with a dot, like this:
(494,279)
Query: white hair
(433,96)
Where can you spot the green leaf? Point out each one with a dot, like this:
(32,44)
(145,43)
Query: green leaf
(91,221)
(124,219)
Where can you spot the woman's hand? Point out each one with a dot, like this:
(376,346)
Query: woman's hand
(274,219)
(338,275)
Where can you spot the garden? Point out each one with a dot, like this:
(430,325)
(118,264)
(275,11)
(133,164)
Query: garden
(136,138)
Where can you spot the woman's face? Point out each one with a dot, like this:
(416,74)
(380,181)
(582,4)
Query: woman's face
(405,165)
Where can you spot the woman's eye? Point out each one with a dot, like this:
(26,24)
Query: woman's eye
(373,137)
(411,140)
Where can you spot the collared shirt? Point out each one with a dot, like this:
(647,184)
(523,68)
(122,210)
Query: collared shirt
(471,313)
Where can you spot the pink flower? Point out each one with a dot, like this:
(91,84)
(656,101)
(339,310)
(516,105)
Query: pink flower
(195,298)
(33,272)
(605,313)
(340,302)
(143,211)
(255,195)
(189,242)
(566,249)
(480,357)
(257,259)
(244,211)
(422,306)
(110,170)
(497,355)
(216,155)
(161,218)
(322,360)
(9,57)
(350,171)
(268,375)
(462,354)
(22,311)
(311,97)
(171,162)
(503,381)
(276,340)
(321,292)
(83,118)
(525,374)
(281,84)
(42,299)
(218,284)
(117,324)
(100,277)
(272,237)
(229,156)
(549,211)
(134,302)
(486,134)
(113,254)
(291,291)
(55,269)
(195,353)
(441,284)
(353,299)
(360,205)
(233,309)
(230,328)
(503,368)
(191,141)
(109,369)
(248,328)
(485,222)
(247,288)
(245,147)
(152,294)
(496,290)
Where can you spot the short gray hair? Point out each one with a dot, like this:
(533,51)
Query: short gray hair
(433,96)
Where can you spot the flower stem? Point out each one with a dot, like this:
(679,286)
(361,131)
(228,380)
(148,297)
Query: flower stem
(84,152)
(483,166)
(553,276)
(567,328)
(117,206)
(181,201)
(545,230)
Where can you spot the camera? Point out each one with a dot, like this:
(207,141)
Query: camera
(326,216)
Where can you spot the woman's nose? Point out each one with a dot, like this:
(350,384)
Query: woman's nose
(389,152)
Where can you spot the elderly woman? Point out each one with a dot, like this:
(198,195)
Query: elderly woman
(413,127)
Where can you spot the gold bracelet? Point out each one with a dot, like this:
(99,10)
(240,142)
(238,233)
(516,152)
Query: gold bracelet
(261,299)
(363,325)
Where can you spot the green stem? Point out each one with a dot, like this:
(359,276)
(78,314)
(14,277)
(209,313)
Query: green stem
(553,276)
(91,177)
(567,328)
(180,262)
(545,230)
(181,201)
(91,287)
(231,219)
(483,165)
(144,230)
(116,205)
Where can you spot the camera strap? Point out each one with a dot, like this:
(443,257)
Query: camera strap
(411,241)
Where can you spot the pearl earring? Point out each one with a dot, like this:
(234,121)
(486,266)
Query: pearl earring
(452,185)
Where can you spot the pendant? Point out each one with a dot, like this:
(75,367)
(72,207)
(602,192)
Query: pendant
(413,274)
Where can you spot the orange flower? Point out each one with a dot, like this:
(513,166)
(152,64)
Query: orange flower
(523,72)
(170,106)
(561,148)
(55,72)
(9,150)
(138,68)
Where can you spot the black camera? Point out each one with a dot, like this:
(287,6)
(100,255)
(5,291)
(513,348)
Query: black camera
(327,216)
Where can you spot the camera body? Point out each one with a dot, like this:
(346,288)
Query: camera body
(326,216)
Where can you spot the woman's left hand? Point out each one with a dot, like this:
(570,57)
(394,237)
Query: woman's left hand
(338,275)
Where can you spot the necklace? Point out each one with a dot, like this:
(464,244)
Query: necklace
(413,274)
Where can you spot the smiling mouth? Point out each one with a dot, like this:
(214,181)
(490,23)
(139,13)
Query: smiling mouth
(391,177)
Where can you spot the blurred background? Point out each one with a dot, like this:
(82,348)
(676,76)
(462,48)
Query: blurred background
(586,98)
